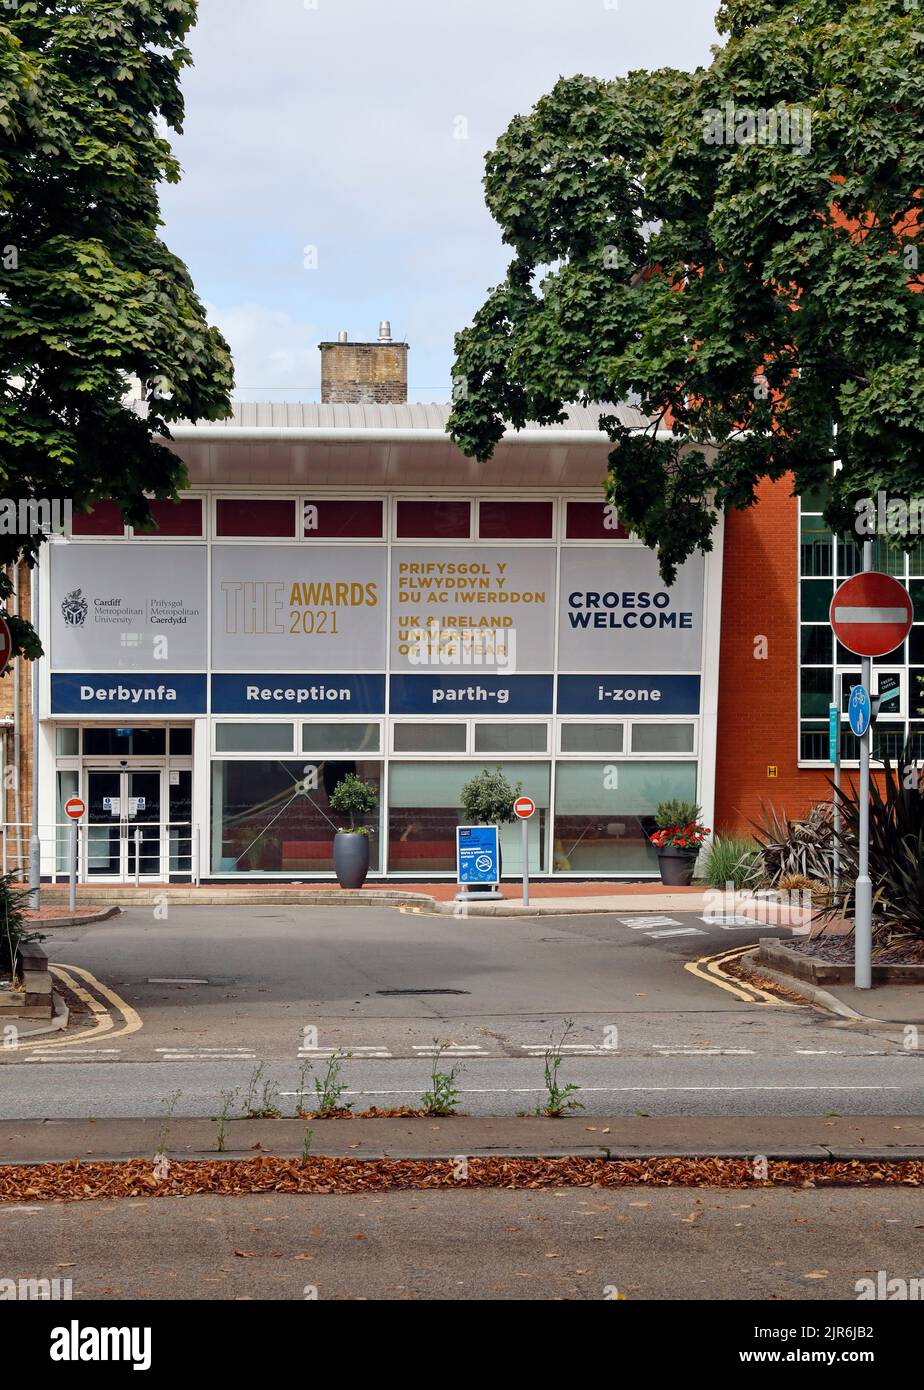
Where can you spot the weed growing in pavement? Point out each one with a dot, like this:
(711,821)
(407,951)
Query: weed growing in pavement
(306,1145)
(559,1097)
(260,1103)
(228,1099)
(442,1098)
(170,1102)
(304,1071)
(329,1088)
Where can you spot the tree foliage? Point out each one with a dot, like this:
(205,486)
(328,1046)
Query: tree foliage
(756,297)
(89,293)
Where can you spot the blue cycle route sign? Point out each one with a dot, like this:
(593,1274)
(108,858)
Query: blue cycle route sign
(860,710)
(477,854)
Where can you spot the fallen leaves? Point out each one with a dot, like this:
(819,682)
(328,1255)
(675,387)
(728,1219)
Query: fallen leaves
(79,1180)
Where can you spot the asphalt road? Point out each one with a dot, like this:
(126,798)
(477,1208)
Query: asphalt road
(571,1243)
(212,994)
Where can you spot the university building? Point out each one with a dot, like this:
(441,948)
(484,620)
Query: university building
(341,590)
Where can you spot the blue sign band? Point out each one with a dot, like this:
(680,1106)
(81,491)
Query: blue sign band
(471,692)
(298,694)
(128,692)
(615,695)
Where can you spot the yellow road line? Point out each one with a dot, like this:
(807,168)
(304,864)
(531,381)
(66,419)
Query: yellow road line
(103,1021)
(709,968)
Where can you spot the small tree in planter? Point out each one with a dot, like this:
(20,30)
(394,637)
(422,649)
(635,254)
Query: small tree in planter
(353,797)
(488,799)
(678,840)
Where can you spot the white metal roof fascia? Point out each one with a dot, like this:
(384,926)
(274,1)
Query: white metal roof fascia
(231,434)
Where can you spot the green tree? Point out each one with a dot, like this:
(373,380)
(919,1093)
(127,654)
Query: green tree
(736,249)
(89,293)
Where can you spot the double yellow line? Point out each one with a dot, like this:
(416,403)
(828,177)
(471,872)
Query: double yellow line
(709,968)
(92,993)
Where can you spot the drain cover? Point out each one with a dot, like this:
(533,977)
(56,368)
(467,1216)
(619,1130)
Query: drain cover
(423,991)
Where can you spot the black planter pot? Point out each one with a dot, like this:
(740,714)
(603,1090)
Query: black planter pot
(677,865)
(351,858)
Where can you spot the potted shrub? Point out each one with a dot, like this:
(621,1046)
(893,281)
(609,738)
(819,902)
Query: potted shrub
(488,799)
(353,797)
(678,840)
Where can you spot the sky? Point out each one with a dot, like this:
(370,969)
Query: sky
(333,153)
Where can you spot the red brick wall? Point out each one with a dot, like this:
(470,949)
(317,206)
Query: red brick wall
(758,700)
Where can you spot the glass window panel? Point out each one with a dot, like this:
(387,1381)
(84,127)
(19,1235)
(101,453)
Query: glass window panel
(17,848)
(511,738)
(262,737)
(813,743)
(104,520)
(515,520)
(817,548)
(181,831)
(888,743)
(604,813)
(67,743)
(358,519)
(816,600)
(268,816)
(916,735)
(592,738)
(125,743)
(662,738)
(182,518)
(249,516)
(341,738)
(181,743)
(916,558)
(593,521)
(424,811)
(916,646)
(817,691)
(848,679)
(815,499)
(438,520)
(429,738)
(916,691)
(817,645)
(916,588)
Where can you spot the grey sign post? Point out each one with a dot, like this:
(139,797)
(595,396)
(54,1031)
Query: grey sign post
(523,808)
(73,809)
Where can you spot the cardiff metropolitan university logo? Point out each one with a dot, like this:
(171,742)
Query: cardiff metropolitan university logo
(74,607)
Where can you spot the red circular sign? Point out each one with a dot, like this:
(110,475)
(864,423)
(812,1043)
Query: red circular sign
(523,807)
(6,645)
(871,614)
(74,808)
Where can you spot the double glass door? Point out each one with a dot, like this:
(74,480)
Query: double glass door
(124,823)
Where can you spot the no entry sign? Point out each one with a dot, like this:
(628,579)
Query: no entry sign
(524,807)
(871,614)
(6,645)
(74,808)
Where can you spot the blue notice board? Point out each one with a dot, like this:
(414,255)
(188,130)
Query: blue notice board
(477,856)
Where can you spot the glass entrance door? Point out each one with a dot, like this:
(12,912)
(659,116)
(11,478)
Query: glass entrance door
(124,833)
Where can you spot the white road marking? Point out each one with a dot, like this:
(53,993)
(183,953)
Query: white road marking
(643,923)
(679,931)
(663,1050)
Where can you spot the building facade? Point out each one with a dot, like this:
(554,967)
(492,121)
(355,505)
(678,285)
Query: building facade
(341,590)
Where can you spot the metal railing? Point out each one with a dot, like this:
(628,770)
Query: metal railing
(125,851)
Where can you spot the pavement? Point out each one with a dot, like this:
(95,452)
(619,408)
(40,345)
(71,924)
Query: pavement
(814,1137)
(568,1243)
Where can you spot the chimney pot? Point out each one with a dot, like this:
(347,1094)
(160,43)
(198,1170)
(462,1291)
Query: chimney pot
(343,336)
(385,331)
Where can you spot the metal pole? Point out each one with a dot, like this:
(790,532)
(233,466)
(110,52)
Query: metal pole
(35,843)
(525,863)
(72,891)
(137,858)
(863,889)
(836,709)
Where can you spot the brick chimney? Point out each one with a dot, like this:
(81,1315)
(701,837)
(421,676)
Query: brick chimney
(364,373)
